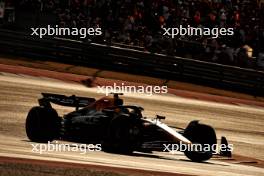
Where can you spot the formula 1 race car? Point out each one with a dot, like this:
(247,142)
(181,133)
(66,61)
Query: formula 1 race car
(117,127)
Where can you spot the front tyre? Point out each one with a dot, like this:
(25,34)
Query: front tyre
(202,135)
(42,124)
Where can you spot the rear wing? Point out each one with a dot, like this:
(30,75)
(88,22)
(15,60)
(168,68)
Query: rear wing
(70,101)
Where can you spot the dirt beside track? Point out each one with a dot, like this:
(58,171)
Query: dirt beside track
(36,167)
(240,121)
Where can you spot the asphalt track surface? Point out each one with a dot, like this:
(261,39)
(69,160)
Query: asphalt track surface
(241,124)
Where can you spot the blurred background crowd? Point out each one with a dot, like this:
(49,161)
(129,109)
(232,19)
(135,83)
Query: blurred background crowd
(138,24)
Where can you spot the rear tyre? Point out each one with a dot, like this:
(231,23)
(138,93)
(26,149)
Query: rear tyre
(123,135)
(42,124)
(200,134)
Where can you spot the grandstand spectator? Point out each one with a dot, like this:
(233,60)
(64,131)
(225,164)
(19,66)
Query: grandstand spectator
(139,22)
